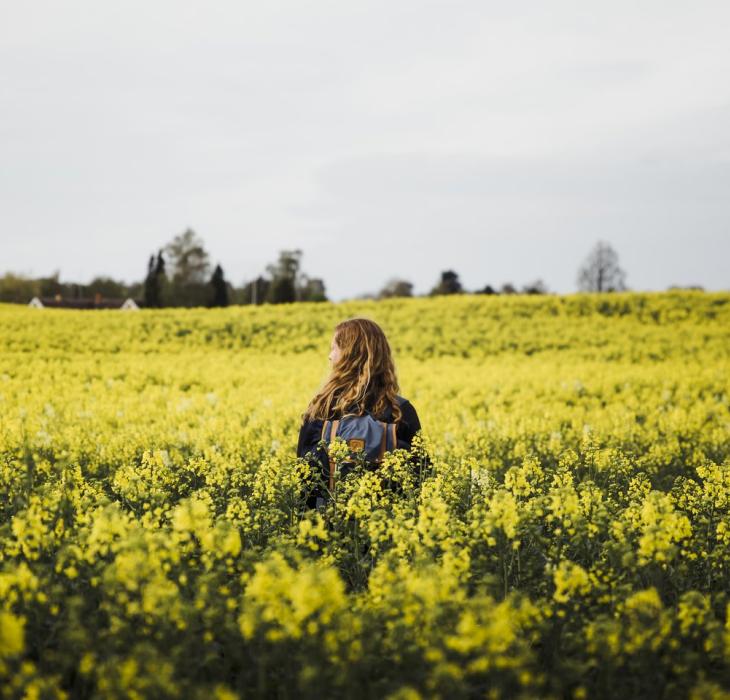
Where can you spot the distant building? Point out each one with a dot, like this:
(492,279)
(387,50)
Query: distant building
(97,302)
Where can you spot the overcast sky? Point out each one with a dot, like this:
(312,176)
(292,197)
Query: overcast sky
(497,139)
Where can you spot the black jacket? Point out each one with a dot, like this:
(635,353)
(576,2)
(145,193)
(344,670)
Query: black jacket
(310,434)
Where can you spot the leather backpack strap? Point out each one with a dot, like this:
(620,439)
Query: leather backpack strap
(393,436)
(384,426)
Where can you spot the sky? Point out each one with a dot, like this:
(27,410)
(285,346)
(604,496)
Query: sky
(382,139)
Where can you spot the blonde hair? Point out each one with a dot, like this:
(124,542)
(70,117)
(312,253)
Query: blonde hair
(363,375)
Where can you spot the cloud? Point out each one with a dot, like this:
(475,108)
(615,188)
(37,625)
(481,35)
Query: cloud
(499,139)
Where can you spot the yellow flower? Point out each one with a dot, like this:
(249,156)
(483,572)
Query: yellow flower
(287,602)
(662,528)
(12,635)
(570,580)
(338,449)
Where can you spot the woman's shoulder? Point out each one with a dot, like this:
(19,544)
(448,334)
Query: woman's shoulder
(409,414)
(403,402)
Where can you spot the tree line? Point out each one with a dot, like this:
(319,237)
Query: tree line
(181,274)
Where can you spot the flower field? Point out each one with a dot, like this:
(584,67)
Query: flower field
(569,536)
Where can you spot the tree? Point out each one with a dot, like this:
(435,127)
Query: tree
(189,270)
(601,272)
(284,276)
(154,281)
(253,292)
(220,287)
(311,289)
(107,287)
(694,287)
(282,290)
(508,288)
(487,289)
(536,287)
(396,288)
(51,286)
(151,298)
(449,284)
(189,261)
(18,288)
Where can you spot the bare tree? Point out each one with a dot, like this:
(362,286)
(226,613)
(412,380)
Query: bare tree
(601,272)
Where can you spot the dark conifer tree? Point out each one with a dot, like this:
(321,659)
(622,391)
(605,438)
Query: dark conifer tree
(153,281)
(151,293)
(220,287)
(160,266)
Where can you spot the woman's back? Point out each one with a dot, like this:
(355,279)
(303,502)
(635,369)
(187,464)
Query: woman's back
(362,380)
(407,426)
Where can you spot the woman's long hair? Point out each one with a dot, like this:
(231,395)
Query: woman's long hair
(363,376)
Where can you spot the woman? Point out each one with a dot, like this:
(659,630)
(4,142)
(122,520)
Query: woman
(362,380)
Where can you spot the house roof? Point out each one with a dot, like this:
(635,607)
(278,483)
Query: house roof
(83,303)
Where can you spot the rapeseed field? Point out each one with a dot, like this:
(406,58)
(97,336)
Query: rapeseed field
(561,529)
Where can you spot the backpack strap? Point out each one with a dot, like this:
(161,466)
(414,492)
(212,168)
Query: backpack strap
(325,425)
(333,435)
(384,426)
(394,439)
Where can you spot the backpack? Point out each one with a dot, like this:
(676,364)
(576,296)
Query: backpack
(362,433)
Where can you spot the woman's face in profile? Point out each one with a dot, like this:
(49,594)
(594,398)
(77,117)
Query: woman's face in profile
(334,351)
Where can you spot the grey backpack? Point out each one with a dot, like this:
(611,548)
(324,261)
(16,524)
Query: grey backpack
(362,433)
